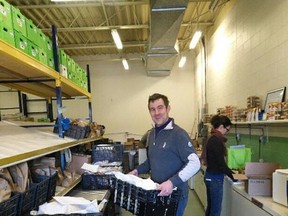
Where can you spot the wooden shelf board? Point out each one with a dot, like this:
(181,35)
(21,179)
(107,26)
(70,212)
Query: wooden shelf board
(61,191)
(266,122)
(17,65)
(20,144)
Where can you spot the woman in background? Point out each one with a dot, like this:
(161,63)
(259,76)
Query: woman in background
(215,159)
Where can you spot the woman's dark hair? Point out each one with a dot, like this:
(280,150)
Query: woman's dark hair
(218,120)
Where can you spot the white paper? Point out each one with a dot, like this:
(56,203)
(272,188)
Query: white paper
(90,167)
(66,200)
(146,184)
(69,205)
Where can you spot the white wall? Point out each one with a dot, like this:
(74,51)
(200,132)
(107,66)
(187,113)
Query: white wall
(247,55)
(119,97)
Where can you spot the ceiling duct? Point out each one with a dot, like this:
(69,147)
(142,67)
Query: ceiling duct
(166,18)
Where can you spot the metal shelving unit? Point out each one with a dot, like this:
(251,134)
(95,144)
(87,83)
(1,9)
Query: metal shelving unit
(20,71)
(24,73)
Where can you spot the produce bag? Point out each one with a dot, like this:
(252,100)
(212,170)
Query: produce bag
(237,157)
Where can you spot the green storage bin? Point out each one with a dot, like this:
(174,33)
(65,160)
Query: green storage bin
(19,21)
(32,31)
(49,47)
(69,63)
(42,40)
(5,14)
(50,61)
(7,34)
(21,42)
(62,58)
(43,56)
(237,157)
(33,50)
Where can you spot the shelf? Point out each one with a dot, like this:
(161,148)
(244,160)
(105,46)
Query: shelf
(20,144)
(61,191)
(31,76)
(267,122)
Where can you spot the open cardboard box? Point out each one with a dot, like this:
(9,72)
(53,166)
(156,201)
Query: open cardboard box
(77,161)
(259,176)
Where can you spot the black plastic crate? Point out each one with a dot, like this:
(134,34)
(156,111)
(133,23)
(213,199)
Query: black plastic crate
(42,192)
(27,199)
(96,181)
(144,202)
(107,152)
(88,214)
(52,186)
(77,132)
(47,183)
(10,207)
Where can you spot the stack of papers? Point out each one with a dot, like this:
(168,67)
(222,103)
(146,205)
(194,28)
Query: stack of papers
(69,205)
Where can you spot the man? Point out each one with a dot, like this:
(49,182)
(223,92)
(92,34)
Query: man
(171,157)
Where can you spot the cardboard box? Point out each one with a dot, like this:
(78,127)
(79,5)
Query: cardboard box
(259,176)
(77,161)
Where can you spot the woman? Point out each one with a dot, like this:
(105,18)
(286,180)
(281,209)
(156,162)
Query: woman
(214,157)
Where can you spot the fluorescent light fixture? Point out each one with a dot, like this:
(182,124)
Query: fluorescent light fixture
(213,5)
(195,39)
(116,39)
(125,64)
(182,62)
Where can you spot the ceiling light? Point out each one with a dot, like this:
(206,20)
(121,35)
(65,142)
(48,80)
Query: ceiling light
(116,39)
(182,62)
(125,64)
(213,5)
(195,39)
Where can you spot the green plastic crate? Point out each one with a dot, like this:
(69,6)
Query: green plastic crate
(50,61)
(69,63)
(49,46)
(42,40)
(32,31)
(33,50)
(7,34)
(5,14)
(62,58)
(43,56)
(21,42)
(19,21)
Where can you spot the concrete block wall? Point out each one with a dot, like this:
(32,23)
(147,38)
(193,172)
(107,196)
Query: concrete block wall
(247,55)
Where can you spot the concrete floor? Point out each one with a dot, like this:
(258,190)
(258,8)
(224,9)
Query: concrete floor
(194,206)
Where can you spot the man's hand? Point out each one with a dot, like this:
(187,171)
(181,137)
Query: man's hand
(166,188)
(134,172)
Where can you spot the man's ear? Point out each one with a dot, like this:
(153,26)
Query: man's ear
(168,108)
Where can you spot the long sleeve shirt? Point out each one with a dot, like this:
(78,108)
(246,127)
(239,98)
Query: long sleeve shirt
(216,154)
(171,156)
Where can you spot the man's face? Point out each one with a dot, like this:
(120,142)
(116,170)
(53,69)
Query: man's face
(159,113)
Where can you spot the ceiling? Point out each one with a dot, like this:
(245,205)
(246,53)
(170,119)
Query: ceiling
(84,27)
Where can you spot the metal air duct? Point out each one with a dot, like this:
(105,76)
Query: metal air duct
(166,18)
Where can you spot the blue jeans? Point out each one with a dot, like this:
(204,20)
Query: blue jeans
(182,205)
(214,186)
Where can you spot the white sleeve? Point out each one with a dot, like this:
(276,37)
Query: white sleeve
(191,168)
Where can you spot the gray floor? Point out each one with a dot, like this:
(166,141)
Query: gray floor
(194,206)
